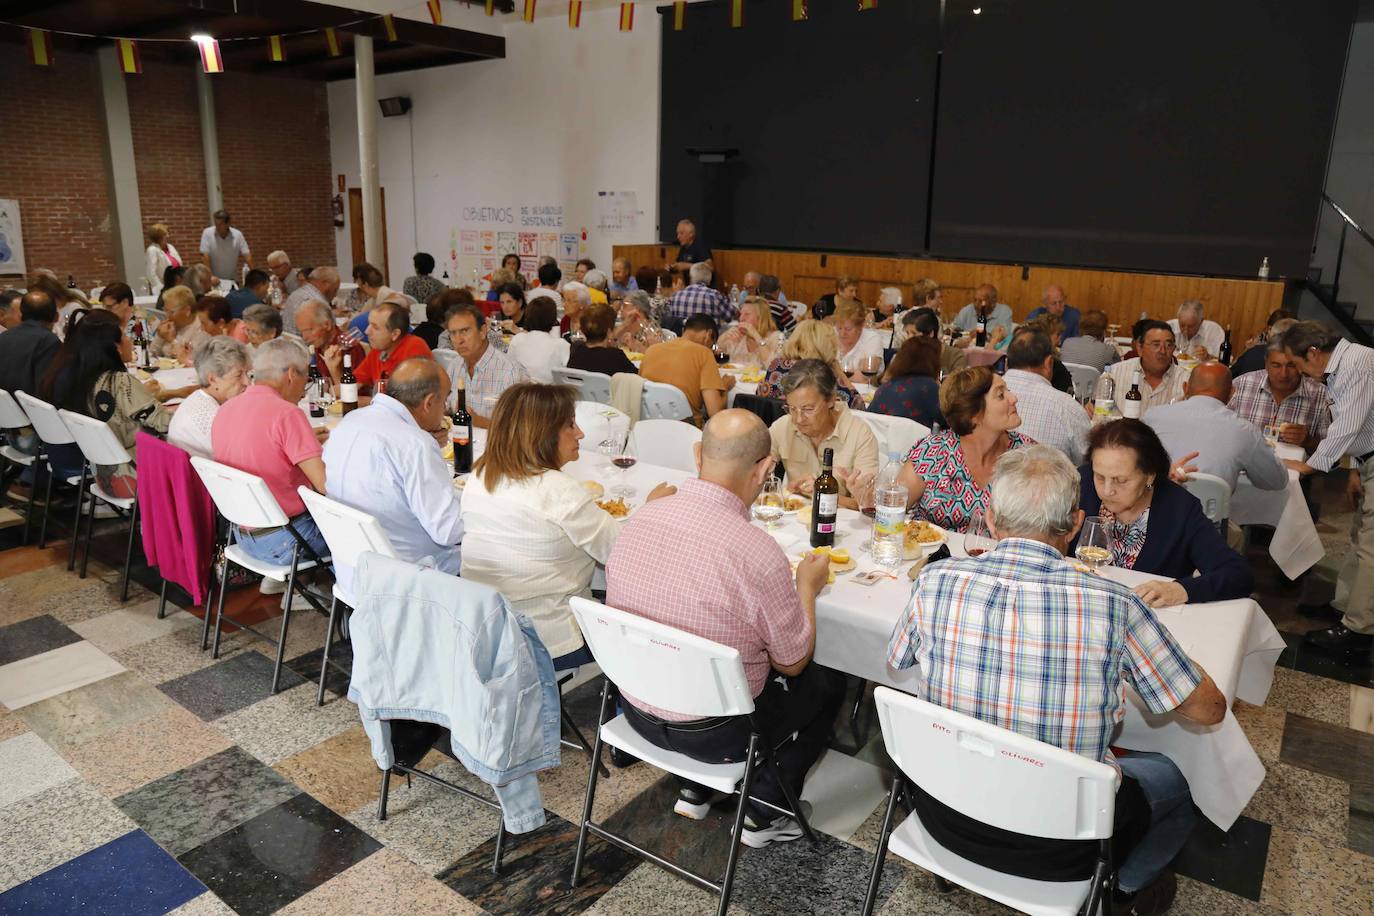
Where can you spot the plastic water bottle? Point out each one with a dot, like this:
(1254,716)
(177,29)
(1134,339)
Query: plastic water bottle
(734,293)
(889,516)
(1104,400)
(1264,269)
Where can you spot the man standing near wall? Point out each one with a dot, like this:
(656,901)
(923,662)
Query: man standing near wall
(691,250)
(220,248)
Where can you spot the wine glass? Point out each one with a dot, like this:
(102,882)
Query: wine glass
(1271,434)
(351,337)
(769,505)
(872,367)
(1094,547)
(978,538)
(624,459)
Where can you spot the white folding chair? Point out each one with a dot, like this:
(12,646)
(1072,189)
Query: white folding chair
(1084,379)
(51,431)
(591,386)
(245,501)
(1215,496)
(348,532)
(671,669)
(100,447)
(13,419)
(666,442)
(1002,779)
(895,435)
(664,402)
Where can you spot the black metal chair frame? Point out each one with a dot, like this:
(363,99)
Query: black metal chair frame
(1099,892)
(759,754)
(86,492)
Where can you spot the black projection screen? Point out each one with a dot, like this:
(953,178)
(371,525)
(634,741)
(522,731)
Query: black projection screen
(831,118)
(1176,135)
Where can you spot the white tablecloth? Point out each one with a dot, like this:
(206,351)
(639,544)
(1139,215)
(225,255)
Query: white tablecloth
(1296,547)
(1233,641)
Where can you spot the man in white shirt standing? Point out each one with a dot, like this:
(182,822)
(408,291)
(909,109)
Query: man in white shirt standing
(1195,336)
(221,246)
(1224,443)
(1161,379)
(1049,416)
(387,460)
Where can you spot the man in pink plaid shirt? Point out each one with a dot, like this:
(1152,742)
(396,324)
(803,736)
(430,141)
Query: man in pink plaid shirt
(694,561)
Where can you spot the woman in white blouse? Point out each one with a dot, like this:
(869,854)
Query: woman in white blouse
(755,339)
(531,531)
(162,254)
(222,365)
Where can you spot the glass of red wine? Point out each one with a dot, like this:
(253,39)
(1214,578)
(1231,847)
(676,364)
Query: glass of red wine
(624,460)
(721,356)
(872,367)
(978,538)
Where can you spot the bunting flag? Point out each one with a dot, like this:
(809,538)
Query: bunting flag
(868,5)
(627,17)
(574,13)
(491,7)
(736,13)
(799,11)
(679,15)
(209,55)
(529,10)
(40,47)
(331,38)
(436,15)
(126,49)
(276,49)
(389,23)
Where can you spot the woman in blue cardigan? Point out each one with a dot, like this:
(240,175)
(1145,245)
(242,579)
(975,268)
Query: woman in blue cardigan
(1154,525)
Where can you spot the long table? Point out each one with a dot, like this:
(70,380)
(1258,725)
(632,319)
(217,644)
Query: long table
(1234,641)
(1296,547)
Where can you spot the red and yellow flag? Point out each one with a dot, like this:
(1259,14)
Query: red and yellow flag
(389,23)
(627,17)
(331,39)
(736,13)
(529,10)
(574,13)
(40,47)
(868,5)
(127,52)
(799,11)
(276,49)
(679,15)
(210,57)
(436,15)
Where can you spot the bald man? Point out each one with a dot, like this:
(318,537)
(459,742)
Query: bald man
(730,582)
(984,303)
(1226,444)
(387,459)
(1055,301)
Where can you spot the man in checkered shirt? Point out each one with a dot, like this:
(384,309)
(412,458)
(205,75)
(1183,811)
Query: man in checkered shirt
(1021,638)
(700,299)
(693,561)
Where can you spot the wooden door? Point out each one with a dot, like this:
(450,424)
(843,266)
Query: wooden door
(355,228)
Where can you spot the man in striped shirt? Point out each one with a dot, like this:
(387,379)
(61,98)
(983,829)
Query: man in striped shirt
(1348,370)
(1020,638)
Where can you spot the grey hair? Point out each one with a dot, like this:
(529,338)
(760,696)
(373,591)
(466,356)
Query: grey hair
(198,279)
(1276,332)
(579,292)
(264,316)
(640,300)
(275,357)
(315,307)
(1306,335)
(810,372)
(325,273)
(1034,493)
(411,388)
(279,255)
(1192,307)
(891,294)
(700,272)
(595,278)
(219,356)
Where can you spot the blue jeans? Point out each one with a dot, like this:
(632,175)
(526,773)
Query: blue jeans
(275,546)
(1171,818)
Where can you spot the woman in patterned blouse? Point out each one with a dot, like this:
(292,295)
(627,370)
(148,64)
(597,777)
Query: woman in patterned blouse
(810,339)
(947,474)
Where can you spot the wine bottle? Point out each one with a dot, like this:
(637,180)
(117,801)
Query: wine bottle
(1226,348)
(348,385)
(462,433)
(381,381)
(140,346)
(1134,401)
(981,339)
(825,503)
(312,389)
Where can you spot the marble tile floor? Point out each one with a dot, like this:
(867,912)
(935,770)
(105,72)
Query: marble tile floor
(142,776)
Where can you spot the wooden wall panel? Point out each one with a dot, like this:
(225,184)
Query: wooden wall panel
(1243,304)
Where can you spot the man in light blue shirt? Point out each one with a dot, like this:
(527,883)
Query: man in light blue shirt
(985,303)
(385,459)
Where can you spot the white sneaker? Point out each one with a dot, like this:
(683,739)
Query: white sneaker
(695,805)
(324,594)
(272,586)
(782,829)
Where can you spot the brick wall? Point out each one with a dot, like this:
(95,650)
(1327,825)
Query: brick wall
(274,162)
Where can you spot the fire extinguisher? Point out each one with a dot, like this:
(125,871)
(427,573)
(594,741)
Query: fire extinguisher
(338,207)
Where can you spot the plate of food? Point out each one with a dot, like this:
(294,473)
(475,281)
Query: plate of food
(615,508)
(756,376)
(921,537)
(793,504)
(840,560)
(633,356)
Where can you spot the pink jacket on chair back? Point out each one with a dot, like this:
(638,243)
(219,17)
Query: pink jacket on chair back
(177,514)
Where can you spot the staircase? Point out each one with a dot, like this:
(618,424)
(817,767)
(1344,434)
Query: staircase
(1345,311)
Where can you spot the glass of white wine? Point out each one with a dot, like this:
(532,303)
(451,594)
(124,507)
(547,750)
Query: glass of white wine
(770,503)
(1094,547)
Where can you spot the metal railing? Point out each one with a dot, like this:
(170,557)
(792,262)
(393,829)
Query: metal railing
(1347,223)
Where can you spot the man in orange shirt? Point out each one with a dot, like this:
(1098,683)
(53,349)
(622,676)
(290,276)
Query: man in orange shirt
(388,333)
(689,365)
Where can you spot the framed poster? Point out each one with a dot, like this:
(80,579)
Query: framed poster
(11,239)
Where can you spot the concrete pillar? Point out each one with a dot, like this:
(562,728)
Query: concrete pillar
(209,141)
(367,152)
(126,216)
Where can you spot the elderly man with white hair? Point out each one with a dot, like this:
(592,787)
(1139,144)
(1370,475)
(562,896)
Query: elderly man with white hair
(284,277)
(698,298)
(264,432)
(635,331)
(322,286)
(622,280)
(1003,637)
(1196,336)
(222,366)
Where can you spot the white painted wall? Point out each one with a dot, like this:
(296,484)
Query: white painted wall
(566,114)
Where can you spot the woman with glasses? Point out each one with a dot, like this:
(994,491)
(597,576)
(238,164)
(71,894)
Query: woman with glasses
(816,421)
